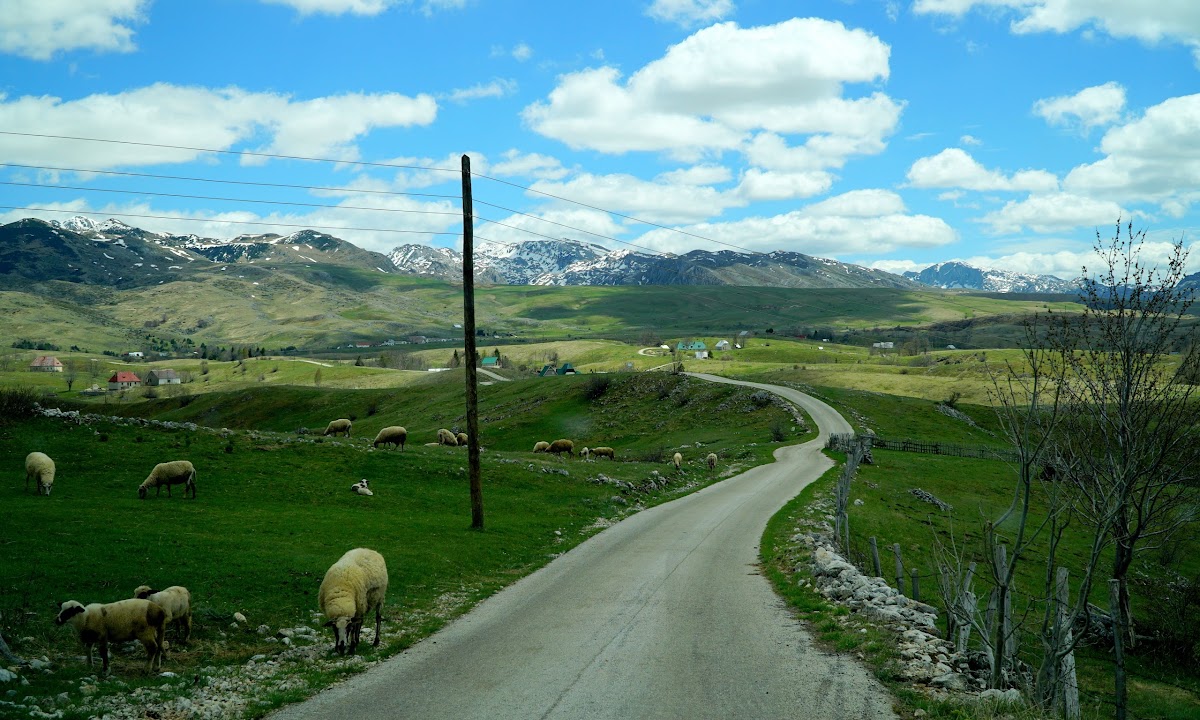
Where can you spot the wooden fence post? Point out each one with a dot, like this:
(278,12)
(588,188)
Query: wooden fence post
(1114,609)
(899,569)
(1067,691)
(915,578)
(875,558)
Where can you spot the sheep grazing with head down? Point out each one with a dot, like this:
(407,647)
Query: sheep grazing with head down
(121,621)
(445,437)
(677,460)
(712,461)
(391,435)
(604,451)
(561,446)
(461,438)
(353,586)
(39,468)
(541,446)
(341,426)
(179,472)
(176,601)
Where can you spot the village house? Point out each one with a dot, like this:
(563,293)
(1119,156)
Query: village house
(418,339)
(166,376)
(123,381)
(134,355)
(491,361)
(722,345)
(46,363)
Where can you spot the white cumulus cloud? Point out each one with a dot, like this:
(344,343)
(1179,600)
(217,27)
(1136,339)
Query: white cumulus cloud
(690,13)
(721,86)
(498,88)
(1052,212)
(1088,108)
(218,119)
(955,168)
(38,29)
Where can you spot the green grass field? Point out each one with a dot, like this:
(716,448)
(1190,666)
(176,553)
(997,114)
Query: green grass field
(274,511)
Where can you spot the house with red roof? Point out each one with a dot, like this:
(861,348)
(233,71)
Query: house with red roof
(123,381)
(46,363)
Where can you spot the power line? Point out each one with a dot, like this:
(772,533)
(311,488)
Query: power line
(228,199)
(244,153)
(225,222)
(233,182)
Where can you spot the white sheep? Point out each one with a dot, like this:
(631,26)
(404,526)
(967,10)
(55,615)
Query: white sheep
(39,468)
(461,438)
(541,446)
(176,601)
(445,437)
(604,451)
(341,426)
(353,587)
(712,461)
(677,459)
(178,472)
(561,446)
(120,621)
(391,435)
(585,453)
(361,487)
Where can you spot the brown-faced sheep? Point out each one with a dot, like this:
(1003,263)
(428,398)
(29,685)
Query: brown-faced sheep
(120,621)
(39,468)
(604,451)
(353,587)
(179,472)
(461,438)
(391,435)
(561,446)
(712,461)
(176,601)
(541,446)
(445,437)
(341,426)
(677,460)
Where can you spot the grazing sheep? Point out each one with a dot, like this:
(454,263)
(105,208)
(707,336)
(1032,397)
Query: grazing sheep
(176,601)
(341,426)
(445,437)
(677,459)
(541,446)
(179,472)
(561,446)
(604,451)
(585,454)
(391,435)
(39,468)
(353,587)
(461,438)
(120,621)
(712,461)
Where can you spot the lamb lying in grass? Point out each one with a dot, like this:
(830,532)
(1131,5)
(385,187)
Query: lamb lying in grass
(361,488)
(121,621)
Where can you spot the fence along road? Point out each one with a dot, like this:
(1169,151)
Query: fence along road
(663,615)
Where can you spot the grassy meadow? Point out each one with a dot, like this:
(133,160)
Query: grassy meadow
(274,511)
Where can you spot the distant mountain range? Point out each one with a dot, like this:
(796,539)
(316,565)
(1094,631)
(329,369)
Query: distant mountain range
(114,254)
(951,275)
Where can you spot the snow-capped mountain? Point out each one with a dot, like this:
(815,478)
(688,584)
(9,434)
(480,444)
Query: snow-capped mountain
(952,275)
(571,262)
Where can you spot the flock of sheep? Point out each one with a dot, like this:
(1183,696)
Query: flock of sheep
(353,587)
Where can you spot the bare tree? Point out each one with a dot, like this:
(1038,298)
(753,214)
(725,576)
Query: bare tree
(1129,430)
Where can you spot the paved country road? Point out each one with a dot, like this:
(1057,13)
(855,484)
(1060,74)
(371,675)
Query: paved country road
(663,615)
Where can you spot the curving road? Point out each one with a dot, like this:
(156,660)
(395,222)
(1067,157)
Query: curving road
(662,616)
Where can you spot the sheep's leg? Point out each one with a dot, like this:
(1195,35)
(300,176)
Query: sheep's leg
(89,651)
(169,489)
(104,654)
(187,626)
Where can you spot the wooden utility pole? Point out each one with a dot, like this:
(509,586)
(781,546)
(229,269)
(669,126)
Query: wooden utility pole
(469,347)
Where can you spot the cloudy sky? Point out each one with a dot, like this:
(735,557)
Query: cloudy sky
(889,133)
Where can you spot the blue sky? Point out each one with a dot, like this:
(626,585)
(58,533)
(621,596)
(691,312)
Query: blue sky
(889,133)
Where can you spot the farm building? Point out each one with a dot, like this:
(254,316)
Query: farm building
(691,346)
(566,369)
(135,355)
(46,363)
(491,361)
(166,376)
(722,345)
(123,381)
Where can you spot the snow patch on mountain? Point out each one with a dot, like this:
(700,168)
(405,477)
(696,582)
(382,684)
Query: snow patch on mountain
(958,275)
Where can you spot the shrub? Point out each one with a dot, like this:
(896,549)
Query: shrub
(372,408)
(778,431)
(17,403)
(596,386)
(761,398)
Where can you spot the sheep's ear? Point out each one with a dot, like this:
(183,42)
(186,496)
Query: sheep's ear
(331,623)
